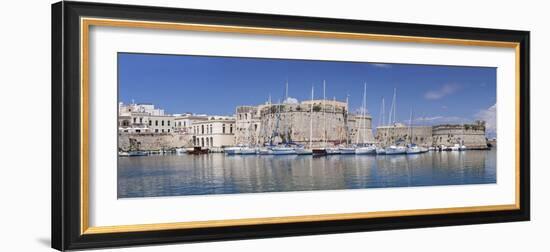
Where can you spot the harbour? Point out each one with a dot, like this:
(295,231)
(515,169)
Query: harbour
(173,174)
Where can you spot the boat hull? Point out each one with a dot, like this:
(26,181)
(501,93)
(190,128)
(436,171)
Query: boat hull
(365,151)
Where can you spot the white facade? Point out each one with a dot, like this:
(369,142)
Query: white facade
(144,118)
(184,122)
(216,132)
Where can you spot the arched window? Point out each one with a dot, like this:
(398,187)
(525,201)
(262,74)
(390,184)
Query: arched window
(141,120)
(134,120)
(168,123)
(202,129)
(223,128)
(156,122)
(211,141)
(150,122)
(162,123)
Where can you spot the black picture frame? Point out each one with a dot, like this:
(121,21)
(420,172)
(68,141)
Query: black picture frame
(66,125)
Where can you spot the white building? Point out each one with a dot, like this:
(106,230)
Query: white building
(144,118)
(215,132)
(184,122)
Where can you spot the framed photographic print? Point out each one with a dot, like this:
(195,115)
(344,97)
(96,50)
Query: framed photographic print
(180,125)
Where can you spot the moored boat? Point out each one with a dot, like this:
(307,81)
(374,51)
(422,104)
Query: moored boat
(303,151)
(332,151)
(366,150)
(347,150)
(283,150)
(137,153)
(198,150)
(380,151)
(396,150)
(319,152)
(413,149)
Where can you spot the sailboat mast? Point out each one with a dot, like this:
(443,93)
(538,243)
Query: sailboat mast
(410,126)
(383,110)
(286,91)
(364,113)
(395,104)
(311,120)
(324,116)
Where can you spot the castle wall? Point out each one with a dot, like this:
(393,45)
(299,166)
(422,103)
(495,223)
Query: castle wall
(291,122)
(470,135)
(148,142)
(390,135)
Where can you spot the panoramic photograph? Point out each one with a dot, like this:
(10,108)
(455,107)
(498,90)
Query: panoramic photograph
(203,125)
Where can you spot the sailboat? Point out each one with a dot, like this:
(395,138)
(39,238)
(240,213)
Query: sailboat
(394,149)
(283,149)
(322,151)
(412,148)
(301,150)
(364,149)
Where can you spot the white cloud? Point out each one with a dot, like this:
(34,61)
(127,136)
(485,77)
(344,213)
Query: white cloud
(445,90)
(290,100)
(488,115)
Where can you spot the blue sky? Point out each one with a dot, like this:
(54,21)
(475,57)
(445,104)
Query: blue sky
(216,85)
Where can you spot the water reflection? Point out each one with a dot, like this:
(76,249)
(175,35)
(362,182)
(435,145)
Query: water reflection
(171,175)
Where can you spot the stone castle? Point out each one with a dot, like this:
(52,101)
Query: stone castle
(312,123)
(471,135)
(316,122)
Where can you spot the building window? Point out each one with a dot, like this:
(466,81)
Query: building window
(168,123)
(156,130)
(138,131)
(162,123)
(202,142)
(207,141)
(141,120)
(202,129)
(212,141)
(255,127)
(168,130)
(183,124)
(246,116)
(210,128)
(162,130)
(156,122)
(223,128)
(231,129)
(134,120)
(150,122)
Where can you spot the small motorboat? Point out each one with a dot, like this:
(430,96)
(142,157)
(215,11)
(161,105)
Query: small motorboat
(319,152)
(198,151)
(180,150)
(137,153)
